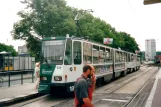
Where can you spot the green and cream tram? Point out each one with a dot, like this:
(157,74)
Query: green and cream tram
(64,58)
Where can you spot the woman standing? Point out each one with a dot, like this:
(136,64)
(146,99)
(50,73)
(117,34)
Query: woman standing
(37,74)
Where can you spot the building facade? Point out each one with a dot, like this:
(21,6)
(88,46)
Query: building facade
(150,49)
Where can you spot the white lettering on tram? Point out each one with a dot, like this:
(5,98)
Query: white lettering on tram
(45,71)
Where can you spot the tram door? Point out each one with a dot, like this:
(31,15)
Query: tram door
(77,58)
(72,60)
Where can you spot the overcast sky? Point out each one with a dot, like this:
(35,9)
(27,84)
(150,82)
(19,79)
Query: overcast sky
(131,16)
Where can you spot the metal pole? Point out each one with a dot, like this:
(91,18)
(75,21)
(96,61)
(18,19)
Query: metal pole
(33,76)
(19,63)
(8,62)
(113,63)
(8,79)
(28,62)
(13,63)
(21,77)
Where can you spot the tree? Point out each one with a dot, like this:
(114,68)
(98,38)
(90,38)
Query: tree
(47,18)
(43,18)
(97,29)
(8,48)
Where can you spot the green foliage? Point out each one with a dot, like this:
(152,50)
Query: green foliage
(7,48)
(47,18)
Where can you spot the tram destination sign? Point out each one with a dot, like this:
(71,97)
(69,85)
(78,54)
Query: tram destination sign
(58,42)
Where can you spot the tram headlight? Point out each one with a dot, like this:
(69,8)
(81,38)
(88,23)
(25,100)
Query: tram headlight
(57,78)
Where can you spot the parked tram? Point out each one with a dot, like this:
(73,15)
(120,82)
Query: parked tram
(64,58)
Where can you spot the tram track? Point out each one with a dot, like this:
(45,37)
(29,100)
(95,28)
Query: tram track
(128,104)
(117,86)
(45,100)
(68,102)
(113,97)
(116,82)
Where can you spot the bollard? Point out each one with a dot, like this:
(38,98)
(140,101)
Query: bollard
(21,77)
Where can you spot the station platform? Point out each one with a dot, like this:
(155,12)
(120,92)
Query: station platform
(15,93)
(154,99)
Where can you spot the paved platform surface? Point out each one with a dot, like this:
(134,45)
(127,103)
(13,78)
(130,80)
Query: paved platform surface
(16,93)
(154,99)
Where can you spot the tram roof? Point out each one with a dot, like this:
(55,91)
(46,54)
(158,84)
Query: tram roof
(82,39)
(53,38)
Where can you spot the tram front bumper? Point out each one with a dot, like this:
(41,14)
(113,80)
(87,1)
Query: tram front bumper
(44,88)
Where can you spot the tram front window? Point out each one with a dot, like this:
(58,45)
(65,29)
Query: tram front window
(53,51)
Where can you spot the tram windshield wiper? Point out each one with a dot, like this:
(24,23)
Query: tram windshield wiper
(44,59)
(47,62)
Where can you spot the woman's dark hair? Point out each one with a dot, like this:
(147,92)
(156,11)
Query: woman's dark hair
(86,67)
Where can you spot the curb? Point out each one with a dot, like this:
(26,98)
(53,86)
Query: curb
(20,98)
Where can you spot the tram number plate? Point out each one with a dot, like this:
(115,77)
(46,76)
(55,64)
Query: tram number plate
(71,88)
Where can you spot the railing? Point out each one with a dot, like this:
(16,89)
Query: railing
(16,77)
(17,70)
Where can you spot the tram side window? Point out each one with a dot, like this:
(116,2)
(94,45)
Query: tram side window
(77,52)
(117,56)
(138,58)
(108,56)
(124,57)
(68,53)
(111,55)
(135,58)
(95,54)
(87,53)
(132,57)
(128,58)
(120,56)
(102,55)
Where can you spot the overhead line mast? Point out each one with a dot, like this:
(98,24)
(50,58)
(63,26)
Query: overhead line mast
(79,15)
